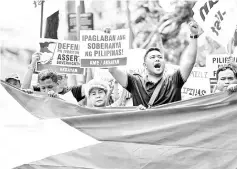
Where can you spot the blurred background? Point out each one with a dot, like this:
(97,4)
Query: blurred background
(20,27)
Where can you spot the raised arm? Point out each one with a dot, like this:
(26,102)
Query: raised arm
(26,84)
(189,57)
(120,75)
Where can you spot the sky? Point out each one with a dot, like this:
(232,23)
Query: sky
(22,14)
(19,15)
(20,20)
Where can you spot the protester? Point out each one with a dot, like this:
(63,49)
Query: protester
(97,93)
(63,84)
(55,85)
(226,80)
(48,82)
(231,62)
(168,87)
(62,78)
(14,80)
(26,84)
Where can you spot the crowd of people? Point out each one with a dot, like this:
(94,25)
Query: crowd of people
(153,89)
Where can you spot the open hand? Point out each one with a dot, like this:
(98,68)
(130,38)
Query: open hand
(35,57)
(220,87)
(28,91)
(141,107)
(232,88)
(53,94)
(107,30)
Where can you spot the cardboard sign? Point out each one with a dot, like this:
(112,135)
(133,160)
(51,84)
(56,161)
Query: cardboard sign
(72,22)
(99,49)
(198,84)
(86,22)
(216,17)
(214,61)
(60,56)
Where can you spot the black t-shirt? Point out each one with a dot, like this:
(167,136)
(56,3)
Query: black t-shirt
(142,90)
(36,88)
(77,93)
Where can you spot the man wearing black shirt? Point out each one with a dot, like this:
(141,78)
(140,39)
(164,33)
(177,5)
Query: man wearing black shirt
(169,91)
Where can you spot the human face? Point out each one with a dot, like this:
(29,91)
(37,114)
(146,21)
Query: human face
(62,83)
(98,97)
(155,63)
(48,85)
(14,82)
(226,77)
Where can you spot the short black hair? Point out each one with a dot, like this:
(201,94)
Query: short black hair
(48,74)
(7,80)
(149,50)
(225,68)
(62,76)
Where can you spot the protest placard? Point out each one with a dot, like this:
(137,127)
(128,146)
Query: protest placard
(214,61)
(198,84)
(216,18)
(60,56)
(86,22)
(99,49)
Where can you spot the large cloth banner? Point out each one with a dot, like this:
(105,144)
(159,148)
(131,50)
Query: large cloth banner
(25,138)
(99,49)
(198,83)
(196,133)
(217,18)
(60,56)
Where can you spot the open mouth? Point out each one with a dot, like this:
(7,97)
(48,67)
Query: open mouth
(157,65)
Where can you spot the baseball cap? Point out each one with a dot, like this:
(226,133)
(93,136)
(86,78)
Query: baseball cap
(12,76)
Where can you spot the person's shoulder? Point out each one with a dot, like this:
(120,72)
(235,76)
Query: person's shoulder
(174,73)
(76,87)
(135,75)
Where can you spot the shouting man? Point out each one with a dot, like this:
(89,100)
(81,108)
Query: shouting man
(166,89)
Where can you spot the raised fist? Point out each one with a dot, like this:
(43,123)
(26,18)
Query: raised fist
(194,28)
